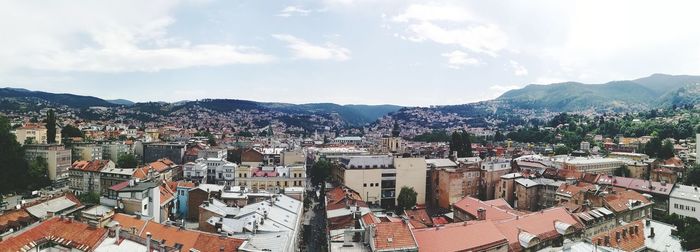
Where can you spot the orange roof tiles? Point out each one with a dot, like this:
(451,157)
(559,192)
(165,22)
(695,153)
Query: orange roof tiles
(471,205)
(14,216)
(91,166)
(166,194)
(188,238)
(628,242)
(393,235)
(67,233)
(540,224)
(460,237)
(619,199)
(419,218)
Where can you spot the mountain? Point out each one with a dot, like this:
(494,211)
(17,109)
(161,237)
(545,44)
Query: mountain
(639,94)
(121,102)
(23,99)
(70,100)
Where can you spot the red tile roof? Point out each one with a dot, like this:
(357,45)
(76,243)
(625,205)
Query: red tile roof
(540,224)
(393,235)
(460,237)
(419,218)
(67,233)
(12,218)
(166,195)
(91,166)
(619,198)
(493,212)
(628,242)
(188,238)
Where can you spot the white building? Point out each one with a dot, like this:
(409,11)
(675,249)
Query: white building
(215,170)
(685,201)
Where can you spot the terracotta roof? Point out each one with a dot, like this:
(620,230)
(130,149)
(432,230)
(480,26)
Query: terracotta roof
(540,224)
(119,186)
(11,217)
(393,236)
(471,205)
(166,194)
(188,238)
(440,221)
(71,234)
(161,165)
(630,241)
(92,166)
(571,189)
(619,199)
(460,237)
(141,173)
(419,218)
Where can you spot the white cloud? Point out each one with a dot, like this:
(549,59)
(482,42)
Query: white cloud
(433,12)
(518,70)
(293,10)
(458,59)
(304,50)
(106,37)
(451,25)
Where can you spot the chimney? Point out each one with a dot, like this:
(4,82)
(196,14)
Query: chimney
(617,236)
(222,249)
(636,229)
(161,248)
(652,233)
(148,240)
(607,240)
(631,230)
(117,230)
(624,233)
(481,214)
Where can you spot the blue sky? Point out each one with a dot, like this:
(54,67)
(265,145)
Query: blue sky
(343,51)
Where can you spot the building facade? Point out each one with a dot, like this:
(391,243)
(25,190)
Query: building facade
(57,157)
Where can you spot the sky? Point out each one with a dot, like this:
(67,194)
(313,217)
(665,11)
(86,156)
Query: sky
(404,52)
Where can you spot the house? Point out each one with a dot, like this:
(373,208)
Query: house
(46,209)
(56,234)
(199,195)
(85,175)
(181,189)
(270,178)
(391,236)
(148,199)
(98,215)
(685,201)
(471,208)
(111,176)
(456,237)
(173,237)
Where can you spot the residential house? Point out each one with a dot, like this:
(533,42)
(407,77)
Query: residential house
(85,175)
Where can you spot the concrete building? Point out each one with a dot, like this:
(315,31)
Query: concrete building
(491,172)
(588,164)
(392,144)
(293,157)
(380,178)
(147,199)
(506,188)
(110,176)
(57,157)
(85,175)
(685,201)
(35,134)
(87,152)
(271,178)
(350,140)
(112,151)
(155,151)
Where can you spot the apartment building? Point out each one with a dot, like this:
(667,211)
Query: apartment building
(112,151)
(379,178)
(86,151)
(35,133)
(85,175)
(271,178)
(172,151)
(57,157)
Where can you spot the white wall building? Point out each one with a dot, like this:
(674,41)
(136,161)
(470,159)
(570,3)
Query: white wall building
(685,201)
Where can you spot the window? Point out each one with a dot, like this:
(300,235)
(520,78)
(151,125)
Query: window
(364,185)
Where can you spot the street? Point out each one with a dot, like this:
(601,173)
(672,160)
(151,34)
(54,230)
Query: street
(315,226)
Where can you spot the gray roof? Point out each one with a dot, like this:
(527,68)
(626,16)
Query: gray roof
(55,205)
(360,162)
(685,192)
(139,187)
(526,182)
(440,162)
(663,240)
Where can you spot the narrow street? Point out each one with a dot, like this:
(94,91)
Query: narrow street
(315,225)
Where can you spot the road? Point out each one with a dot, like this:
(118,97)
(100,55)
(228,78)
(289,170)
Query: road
(315,226)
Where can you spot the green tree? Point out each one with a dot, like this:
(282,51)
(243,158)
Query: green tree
(39,173)
(211,140)
(653,147)
(456,143)
(693,177)
(406,199)
(127,161)
(666,151)
(320,172)
(467,149)
(622,171)
(562,150)
(499,137)
(13,166)
(690,238)
(91,198)
(71,131)
(50,126)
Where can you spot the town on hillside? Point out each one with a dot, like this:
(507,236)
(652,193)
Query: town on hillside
(75,184)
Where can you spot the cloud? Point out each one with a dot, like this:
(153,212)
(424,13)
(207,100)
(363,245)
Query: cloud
(433,12)
(458,59)
(518,70)
(293,10)
(304,50)
(114,37)
(451,25)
